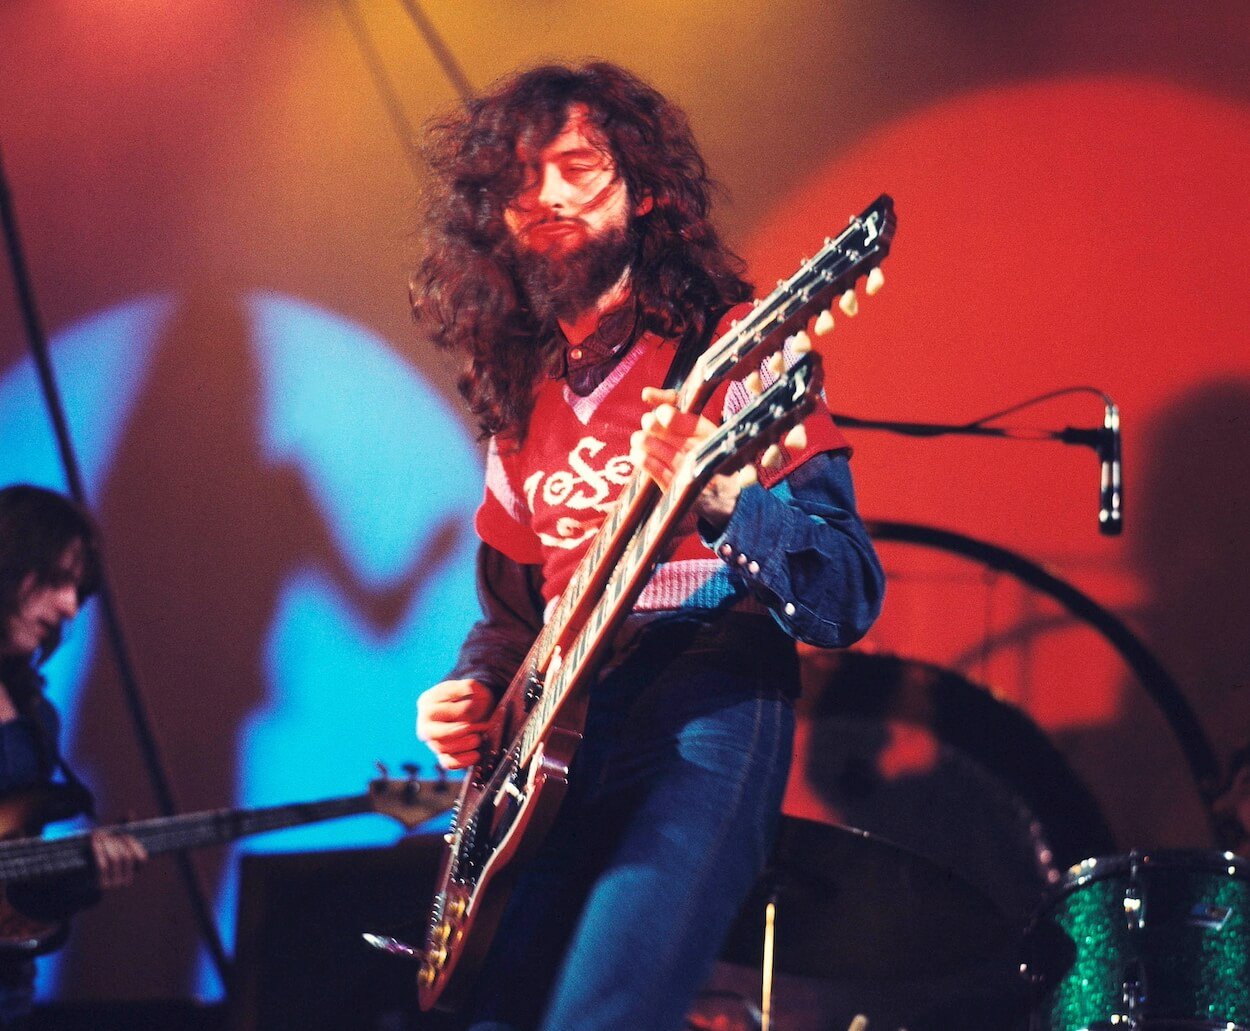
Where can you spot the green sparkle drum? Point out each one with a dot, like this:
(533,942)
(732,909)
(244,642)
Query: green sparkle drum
(1150,940)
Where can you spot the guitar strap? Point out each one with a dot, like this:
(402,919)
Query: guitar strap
(82,794)
(688,350)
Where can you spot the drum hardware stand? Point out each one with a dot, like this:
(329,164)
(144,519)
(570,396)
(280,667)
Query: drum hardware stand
(1134,969)
(770,940)
(859,1023)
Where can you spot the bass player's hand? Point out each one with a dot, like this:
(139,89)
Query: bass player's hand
(450,719)
(117,857)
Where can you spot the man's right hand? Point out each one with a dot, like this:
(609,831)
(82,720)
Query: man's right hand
(450,719)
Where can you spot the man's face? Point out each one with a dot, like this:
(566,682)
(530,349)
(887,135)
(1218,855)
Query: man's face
(571,194)
(42,606)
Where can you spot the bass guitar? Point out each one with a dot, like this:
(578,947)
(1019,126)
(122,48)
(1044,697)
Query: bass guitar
(509,799)
(34,863)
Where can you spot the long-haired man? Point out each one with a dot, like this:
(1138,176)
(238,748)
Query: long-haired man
(568,256)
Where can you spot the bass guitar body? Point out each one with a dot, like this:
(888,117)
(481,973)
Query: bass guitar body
(23,935)
(23,812)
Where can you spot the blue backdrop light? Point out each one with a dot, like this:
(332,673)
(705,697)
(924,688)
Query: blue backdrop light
(389,467)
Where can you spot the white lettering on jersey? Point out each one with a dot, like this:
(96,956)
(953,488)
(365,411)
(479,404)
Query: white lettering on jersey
(581,488)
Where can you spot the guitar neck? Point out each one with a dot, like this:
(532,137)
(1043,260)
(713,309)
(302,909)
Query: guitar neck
(38,857)
(859,247)
(780,406)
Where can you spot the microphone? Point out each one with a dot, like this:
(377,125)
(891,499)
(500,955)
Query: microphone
(1111,484)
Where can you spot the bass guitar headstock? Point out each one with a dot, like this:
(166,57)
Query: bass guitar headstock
(411,800)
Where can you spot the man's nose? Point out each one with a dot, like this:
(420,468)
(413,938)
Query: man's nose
(553,189)
(67,600)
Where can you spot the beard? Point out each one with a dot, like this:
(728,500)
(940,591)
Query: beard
(563,285)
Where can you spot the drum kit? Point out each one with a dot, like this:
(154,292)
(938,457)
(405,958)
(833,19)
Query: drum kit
(1149,940)
(1158,941)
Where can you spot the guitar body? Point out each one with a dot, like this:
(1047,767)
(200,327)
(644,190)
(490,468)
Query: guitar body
(22,936)
(496,831)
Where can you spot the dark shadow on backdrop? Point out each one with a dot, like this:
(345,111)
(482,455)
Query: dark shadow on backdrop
(1190,505)
(204,534)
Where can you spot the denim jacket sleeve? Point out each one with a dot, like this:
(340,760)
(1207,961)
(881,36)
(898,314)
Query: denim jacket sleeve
(802,549)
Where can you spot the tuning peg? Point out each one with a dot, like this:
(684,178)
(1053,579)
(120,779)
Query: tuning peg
(801,342)
(754,384)
(796,439)
(849,303)
(747,475)
(875,281)
(381,767)
(771,458)
(860,1023)
(777,364)
(412,770)
(824,323)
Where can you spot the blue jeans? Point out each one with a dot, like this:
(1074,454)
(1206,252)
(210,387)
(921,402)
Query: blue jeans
(671,811)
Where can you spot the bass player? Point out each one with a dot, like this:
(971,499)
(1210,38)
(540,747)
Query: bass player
(48,568)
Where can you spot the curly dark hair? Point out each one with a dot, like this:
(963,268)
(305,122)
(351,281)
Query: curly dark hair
(466,290)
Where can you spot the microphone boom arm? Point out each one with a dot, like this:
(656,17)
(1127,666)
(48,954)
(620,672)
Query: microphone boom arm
(1105,440)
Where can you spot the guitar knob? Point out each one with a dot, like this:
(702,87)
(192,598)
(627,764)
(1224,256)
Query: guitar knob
(437,956)
(442,934)
(427,976)
(456,907)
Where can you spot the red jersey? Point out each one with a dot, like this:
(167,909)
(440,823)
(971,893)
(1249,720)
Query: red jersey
(545,500)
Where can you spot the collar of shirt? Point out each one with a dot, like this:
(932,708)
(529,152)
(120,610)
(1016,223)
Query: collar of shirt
(588,363)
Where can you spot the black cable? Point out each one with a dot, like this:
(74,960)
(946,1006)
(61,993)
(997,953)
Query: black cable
(130,688)
(1049,395)
(1153,676)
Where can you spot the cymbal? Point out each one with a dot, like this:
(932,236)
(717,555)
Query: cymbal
(857,906)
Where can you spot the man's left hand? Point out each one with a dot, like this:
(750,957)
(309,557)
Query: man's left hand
(667,436)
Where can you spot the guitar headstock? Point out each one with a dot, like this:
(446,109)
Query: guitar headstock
(775,411)
(828,277)
(411,801)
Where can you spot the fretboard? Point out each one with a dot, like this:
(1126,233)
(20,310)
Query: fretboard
(761,328)
(30,858)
